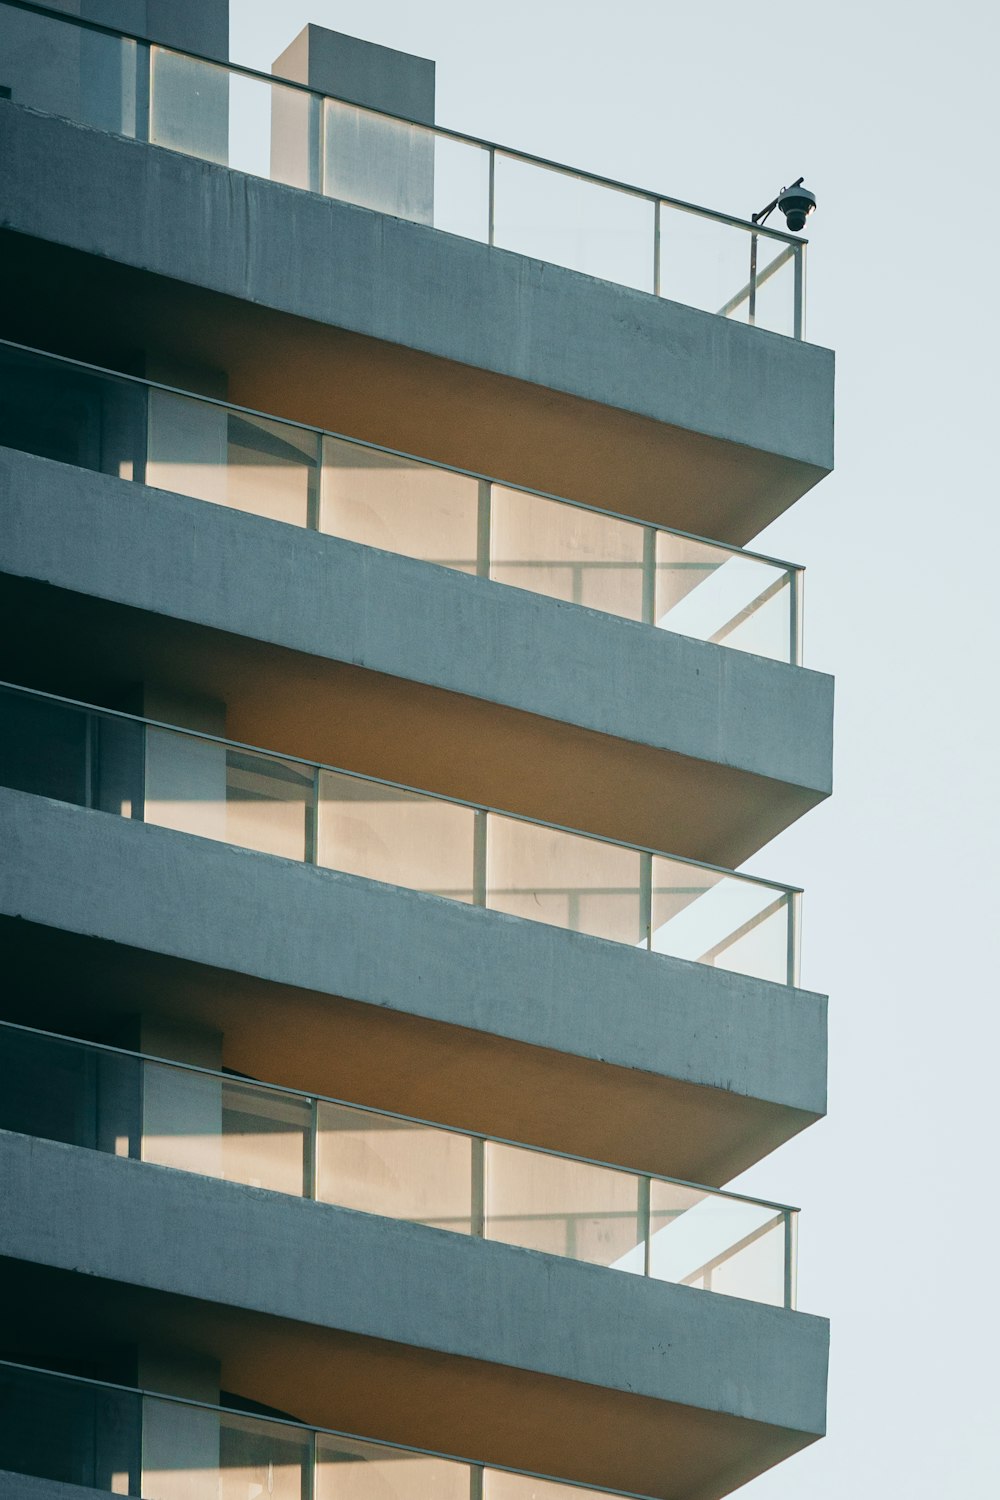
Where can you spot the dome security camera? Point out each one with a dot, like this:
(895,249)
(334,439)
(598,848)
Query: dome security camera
(796,203)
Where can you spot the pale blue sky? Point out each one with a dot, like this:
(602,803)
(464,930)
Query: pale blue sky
(890,110)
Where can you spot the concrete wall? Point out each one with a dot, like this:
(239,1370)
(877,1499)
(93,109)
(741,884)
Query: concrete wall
(761,403)
(424,958)
(415,1287)
(761,730)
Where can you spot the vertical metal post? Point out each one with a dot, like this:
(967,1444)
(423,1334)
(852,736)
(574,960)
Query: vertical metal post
(89,760)
(752,316)
(792,925)
(311,852)
(789,1258)
(644,1224)
(649,575)
(491,231)
(795,581)
(314,501)
(477,1225)
(311,1153)
(656,248)
(479,836)
(484,516)
(799,316)
(309,1468)
(475,1482)
(646,896)
(143,81)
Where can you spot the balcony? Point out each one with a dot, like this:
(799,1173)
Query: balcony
(240,1130)
(380,831)
(725,425)
(250,461)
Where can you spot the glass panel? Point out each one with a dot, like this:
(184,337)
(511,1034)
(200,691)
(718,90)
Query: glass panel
(719,919)
(269,803)
(717,595)
(348,1469)
(189,105)
(556,216)
(703,262)
(499,1485)
(266,1138)
(399,837)
(61,1091)
(44,748)
(402,506)
(71,1432)
(563,879)
(296,130)
(461,188)
(720,1244)
(566,552)
(563,1207)
(394,1167)
(254,464)
(775,305)
(193,1453)
(378,162)
(64,70)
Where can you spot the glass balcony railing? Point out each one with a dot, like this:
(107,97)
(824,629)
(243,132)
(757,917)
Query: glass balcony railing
(227,455)
(129,1442)
(457,183)
(239,1130)
(337,819)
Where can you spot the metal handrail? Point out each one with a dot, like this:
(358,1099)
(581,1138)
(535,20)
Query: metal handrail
(434,463)
(392,1114)
(153,1395)
(456,135)
(316,765)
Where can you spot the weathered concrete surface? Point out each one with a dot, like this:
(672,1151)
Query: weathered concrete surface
(420,339)
(27,1487)
(644,1019)
(501,1338)
(406,670)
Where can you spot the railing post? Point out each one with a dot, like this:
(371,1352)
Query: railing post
(311,1154)
(479,836)
(484,517)
(752,309)
(143,78)
(644,1224)
(90,760)
(792,926)
(315,498)
(646,896)
(789,1258)
(475,1482)
(656,247)
(311,852)
(799,316)
(649,575)
(491,230)
(477,1224)
(795,616)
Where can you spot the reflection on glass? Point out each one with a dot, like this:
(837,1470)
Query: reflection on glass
(563,879)
(501,1485)
(415,509)
(567,552)
(774,302)
(196,1453)
(189,105)
(349,1469)
(714,918)
(400,837)
(398,1168)
(378,162)
(83,76)
(717,1243)
(556,216)
(563,1207)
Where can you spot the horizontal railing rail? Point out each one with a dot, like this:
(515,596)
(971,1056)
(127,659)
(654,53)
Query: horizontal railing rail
(308,1145)
(362,825)
(119,1437)
(322,480)
(461,183)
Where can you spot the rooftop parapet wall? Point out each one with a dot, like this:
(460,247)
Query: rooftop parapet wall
(398,332)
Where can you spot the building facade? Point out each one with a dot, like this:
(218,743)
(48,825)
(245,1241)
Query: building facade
(390,696)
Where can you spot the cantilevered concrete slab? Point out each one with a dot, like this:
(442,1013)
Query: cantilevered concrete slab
(469,1347)
(405,335)
(347,987)
(401,669)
